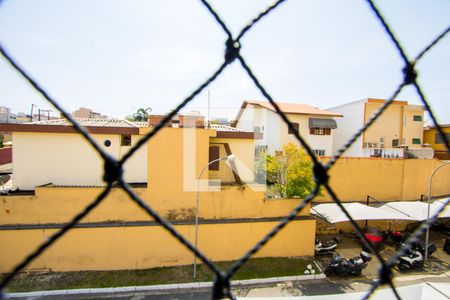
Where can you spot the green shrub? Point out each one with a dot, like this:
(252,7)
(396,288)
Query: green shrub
(289,174)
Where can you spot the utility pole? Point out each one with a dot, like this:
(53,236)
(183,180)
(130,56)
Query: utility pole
(31,114)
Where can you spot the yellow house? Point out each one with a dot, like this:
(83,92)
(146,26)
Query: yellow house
(400,126)
(431,136)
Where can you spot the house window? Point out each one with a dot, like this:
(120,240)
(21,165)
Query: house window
(416,141)
(295,125)
(214,152)
(439,140)
(319,152)
(107,143)
(395,143)
(125,140)
(417,118)
(320,131)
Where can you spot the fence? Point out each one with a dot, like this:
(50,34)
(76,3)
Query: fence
(113,169)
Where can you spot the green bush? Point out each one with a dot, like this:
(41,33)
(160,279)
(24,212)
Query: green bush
(289,174)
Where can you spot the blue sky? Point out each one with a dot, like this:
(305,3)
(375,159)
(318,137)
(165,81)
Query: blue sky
(117,56)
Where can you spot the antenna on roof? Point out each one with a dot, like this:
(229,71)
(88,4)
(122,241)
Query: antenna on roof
(209,107)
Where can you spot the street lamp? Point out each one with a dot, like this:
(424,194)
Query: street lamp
(428,212)
(230,158)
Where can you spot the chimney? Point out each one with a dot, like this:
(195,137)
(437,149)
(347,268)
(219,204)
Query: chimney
(189,121)
(154,120)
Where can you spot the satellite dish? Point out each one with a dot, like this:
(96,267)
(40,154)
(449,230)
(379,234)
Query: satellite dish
(4,179)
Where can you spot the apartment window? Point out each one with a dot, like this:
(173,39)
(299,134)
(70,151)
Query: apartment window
(319,152)
(214,152)
(417,118)
(439,140)
(125,140)
(295,125)
(416,141)
(395,143)
(320,131)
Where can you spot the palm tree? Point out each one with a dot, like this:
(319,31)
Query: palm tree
(141,115)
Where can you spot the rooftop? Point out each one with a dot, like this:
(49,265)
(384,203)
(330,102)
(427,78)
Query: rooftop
(289,108)
(86,122)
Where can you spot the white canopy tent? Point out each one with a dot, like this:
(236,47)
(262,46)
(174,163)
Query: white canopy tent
(419,210)
(332,213)
(400,210)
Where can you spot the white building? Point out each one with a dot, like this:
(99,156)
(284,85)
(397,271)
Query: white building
(52,152)
(315,125)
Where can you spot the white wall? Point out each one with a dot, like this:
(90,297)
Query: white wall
(347,126)
(67,159)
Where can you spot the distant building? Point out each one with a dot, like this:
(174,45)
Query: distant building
(400,127)
(6,116)
(317,126)
(432,138)
(87,113)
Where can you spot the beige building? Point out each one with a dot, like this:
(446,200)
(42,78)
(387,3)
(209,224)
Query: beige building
(315,125)
(87,113)
(52,152)
(400,127)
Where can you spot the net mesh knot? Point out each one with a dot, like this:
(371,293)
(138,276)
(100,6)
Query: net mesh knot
(385,274)
(409,73)
(113,170)
(232,50)
(320,173)
(221,288)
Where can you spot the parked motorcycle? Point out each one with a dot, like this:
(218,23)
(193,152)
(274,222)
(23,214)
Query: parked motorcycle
(447,245)
(325,247)
(342,266)
(375,236)
(414,257)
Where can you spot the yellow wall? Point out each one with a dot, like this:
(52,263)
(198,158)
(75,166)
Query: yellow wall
(151,246)
(386,179)
(58,205)
(396,122)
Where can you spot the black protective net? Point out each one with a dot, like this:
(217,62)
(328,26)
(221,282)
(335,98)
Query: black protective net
(113,168)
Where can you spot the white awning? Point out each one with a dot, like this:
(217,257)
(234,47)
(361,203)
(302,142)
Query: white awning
(418,210)
(333,214)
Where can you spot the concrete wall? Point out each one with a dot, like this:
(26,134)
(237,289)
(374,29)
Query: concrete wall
(67,159)
(386,179)
(119,235)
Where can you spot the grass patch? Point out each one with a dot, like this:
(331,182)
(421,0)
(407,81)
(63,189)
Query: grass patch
(254,268)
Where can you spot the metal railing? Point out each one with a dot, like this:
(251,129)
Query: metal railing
(113,168)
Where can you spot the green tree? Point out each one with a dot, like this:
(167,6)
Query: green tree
(289,174)
(141,115)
